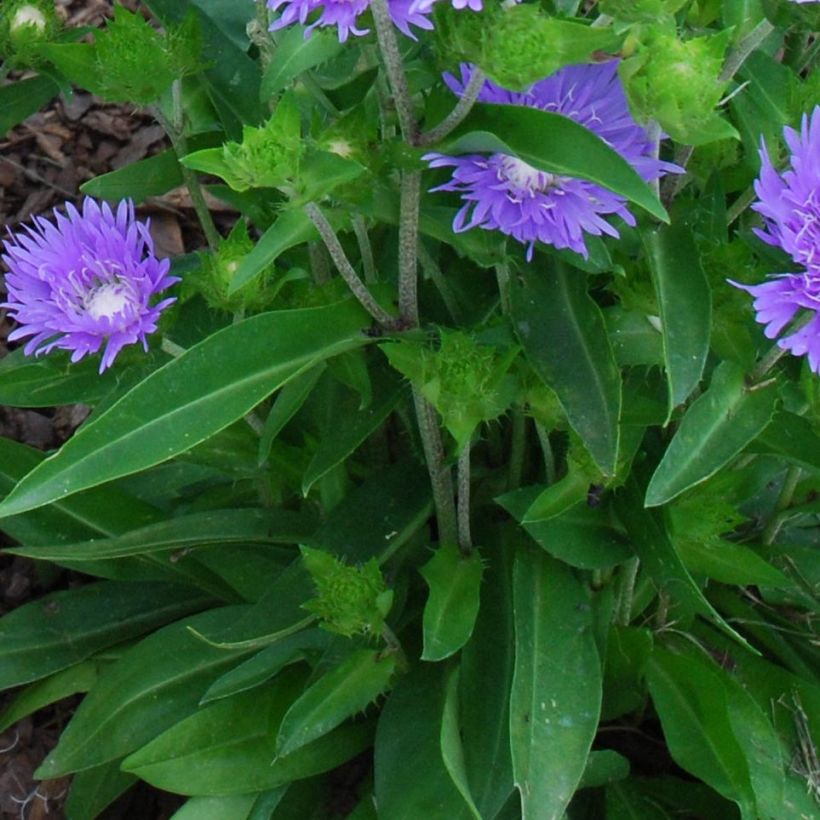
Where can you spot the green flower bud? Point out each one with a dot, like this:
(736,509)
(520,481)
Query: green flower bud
(217,271)
(676,83)
(465,381)
(25,25)
(349,600)
(269,156)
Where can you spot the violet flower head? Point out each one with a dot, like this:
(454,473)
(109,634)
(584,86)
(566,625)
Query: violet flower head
(344,14)
(504,193)
(85,280)
(790,205)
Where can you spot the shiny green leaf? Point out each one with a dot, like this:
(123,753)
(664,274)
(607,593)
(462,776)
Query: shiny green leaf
(563,335)
(294,54)
(452,605)
(716,427)
(207,388)
(556,691)
(686,307)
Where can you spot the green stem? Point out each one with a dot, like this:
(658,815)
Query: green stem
(389,46)
(365,249)
(408,247)
(465,541)
(337,254)
(502,275)
(546,449)
(176,132)
(433,271)
(440,477)
(518,438)
(458,114)
(319,262)
(783,502)
(626,591)
(740,205)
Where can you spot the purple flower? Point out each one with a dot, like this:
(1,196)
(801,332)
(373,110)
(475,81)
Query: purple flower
(790,205)
(344,15)
(506,194)
(87,280)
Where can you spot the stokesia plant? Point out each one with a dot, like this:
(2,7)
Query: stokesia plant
(454,465)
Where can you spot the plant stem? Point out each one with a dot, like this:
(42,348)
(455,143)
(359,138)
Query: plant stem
(465,541)
(171,348)
(626,592)
(783,502)
(365,249)
(337,254)
(546,449)
(319,262)
(408,247)
(460,111)
(502,275)
(740,205)
(518,438)
(440,477)
(391,55)
(176,133)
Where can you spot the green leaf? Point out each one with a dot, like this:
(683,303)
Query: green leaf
(266,664)
(151,687)
(603,768)
(582,536)
(651,542)
(234,806)
(208,387)
(558,498)
(22,98)
(452,605)
(292,227)
(634,339)
(64,628)
(378,516)
(243,526)
(485,678)
(94,789)
(78,678)
(553,143)
(152,176)
(564,337)
(717,426)
(791,437)
(556,691)
(350,429)
(411,779)
(686,307)
(337,695)
(294,54)
(731,563)
(452,749)
(287,403)
(691,702)
(227,747)
(52,380)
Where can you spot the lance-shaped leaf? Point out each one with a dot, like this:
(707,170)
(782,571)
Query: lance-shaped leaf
(450,612)
(295,53)
(207,388)
(339,694)
(714,430)
(553,143)
(686,307)
(556,691)
(564,337)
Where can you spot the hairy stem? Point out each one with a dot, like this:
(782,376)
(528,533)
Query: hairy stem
(408,247)
(518,438)
(460,111)
(440,476)
(626,590)
(389,46)
(465,541)
(339,257)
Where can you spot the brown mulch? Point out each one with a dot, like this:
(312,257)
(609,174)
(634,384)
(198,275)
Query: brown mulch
(43,163)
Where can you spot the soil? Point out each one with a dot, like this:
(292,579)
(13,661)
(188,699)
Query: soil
(43,163)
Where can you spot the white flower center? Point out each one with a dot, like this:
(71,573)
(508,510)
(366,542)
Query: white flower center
(107,301)
(28,16)
(522,176)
